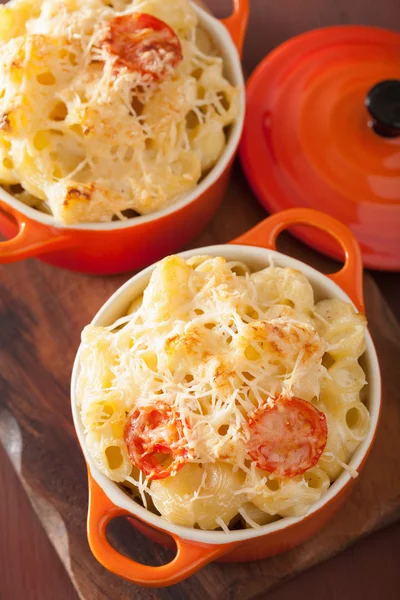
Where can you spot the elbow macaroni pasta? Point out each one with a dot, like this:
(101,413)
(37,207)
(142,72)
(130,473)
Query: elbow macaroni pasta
(87,144)
(216,341)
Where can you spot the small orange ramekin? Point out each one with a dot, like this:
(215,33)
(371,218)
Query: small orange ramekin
(116,247)
(195,548)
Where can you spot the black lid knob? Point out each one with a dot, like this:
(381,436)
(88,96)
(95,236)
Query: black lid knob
(383,104)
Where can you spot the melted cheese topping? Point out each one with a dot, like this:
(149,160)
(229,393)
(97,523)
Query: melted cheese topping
(86,142)
(216,341)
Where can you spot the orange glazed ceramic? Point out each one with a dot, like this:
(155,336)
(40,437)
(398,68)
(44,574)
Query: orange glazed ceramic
(323,131)
(106,248)
(194,547)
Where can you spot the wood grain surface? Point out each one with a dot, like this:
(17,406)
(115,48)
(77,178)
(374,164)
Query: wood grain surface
(42,311)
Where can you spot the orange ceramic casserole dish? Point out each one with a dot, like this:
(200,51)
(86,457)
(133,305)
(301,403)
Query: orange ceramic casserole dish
(105,248)
(194,547)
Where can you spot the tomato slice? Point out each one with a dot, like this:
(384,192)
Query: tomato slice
(288,438)
(144,44)
(155,440)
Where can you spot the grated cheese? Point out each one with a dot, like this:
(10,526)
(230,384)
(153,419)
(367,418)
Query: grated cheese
(88,141)
(215,346)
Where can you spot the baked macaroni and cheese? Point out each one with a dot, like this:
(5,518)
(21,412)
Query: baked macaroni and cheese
(226,397)
(108,108)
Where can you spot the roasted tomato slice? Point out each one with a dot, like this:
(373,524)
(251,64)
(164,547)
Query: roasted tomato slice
(144,44)
(155,440)
(287,438)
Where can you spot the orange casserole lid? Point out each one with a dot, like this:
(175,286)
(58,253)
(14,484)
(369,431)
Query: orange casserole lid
(321,133)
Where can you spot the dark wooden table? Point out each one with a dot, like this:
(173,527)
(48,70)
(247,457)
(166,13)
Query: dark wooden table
(29,567)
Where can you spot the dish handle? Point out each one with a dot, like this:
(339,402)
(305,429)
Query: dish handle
(190,556)
(32,238)
(236,24)
(349,277)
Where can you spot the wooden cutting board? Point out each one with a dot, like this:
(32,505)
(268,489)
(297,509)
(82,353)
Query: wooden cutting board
(42,312)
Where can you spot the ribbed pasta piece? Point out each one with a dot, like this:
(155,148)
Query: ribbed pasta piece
(172,496)
(276,285)
(288,497)
(208,142)
(200,495)
(347,339)
(355,421)
(342,328)
(253,516)
(109,453)
(167,293)
(339,446)
(343,382)
(98,358)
